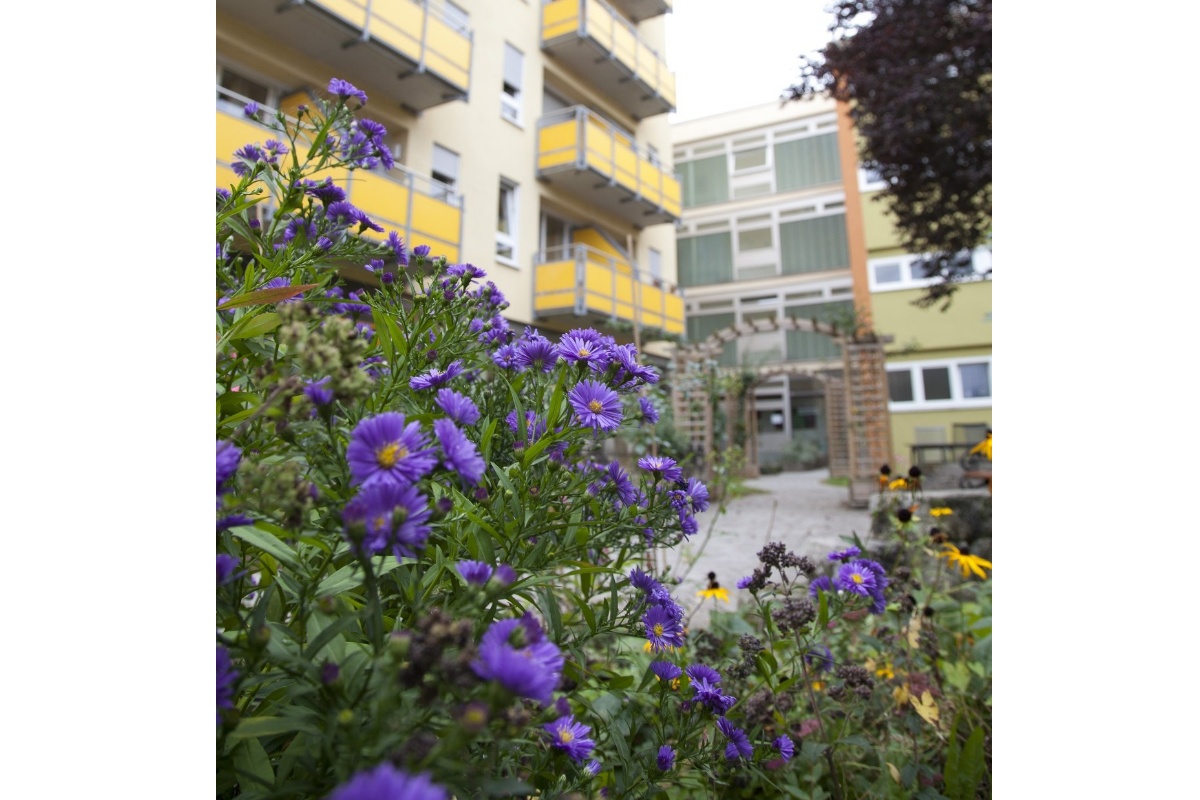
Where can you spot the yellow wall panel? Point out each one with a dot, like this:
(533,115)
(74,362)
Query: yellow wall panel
(448,53)
(558,144)
(599,24)
(353,12)
(556,276)
(560,17)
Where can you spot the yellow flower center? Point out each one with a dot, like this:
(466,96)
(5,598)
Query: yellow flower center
(658,629)
(389,454)
(584,352)
(596,406)
(381,521)
(565,736)
(856,578)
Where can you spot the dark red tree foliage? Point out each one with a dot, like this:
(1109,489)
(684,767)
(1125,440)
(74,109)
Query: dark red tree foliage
(917,75)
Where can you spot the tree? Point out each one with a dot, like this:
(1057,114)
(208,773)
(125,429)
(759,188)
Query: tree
(917,76)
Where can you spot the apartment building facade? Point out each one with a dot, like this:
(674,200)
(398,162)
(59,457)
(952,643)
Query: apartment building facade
(530,138)
(779,221)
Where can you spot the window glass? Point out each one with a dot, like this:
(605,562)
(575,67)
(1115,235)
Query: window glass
(937,383)
(749,159)
(510,94)
(887,273)
(900,386)
(506,222)
(975,380)
(757,239)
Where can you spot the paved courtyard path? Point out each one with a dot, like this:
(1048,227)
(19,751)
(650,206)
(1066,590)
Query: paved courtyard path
(797,508)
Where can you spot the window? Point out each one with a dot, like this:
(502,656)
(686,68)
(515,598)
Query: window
(236,90)
(510,88)
(756,239)
(458,18)
(937,383)
(444,171)
(900,386)
(750,159)
(944,383)
(887,273)
(655,263)
(906,272)
(652,155)
(506,224)
(975,380)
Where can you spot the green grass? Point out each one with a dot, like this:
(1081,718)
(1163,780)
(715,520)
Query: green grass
(837,481)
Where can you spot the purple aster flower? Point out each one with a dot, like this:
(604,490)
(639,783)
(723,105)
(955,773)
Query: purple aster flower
(596,406)
(571,737)
(392,514)
(458,452)
(626,491)
(576,349)
(642,580)
(250,109)
(665,670)
(436,377)
(226,676)
(228,458)
(475,572)
(345,90)
(326,191)
(458,407)
(821,583)
(396,243)
(538,354)
(276,148)
(466,272)
(703,672)
(374,265)
(505,574)
(844,555)
(248,155)
(226,564)
(630,372)
(593,768)
(383,449)
(697,493)
(662,467)
(856,578)
(319,392)
(232,521)
(688,524)
(745,582)
(324,243)
(533,670)
(784,745)
(739,744)
(534,427)
(386,781)
(506,357)
(649,412)
(421,250)
(329,672)
(663,628)
(666,758)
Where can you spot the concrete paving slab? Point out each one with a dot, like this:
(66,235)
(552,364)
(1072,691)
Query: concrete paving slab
(797,508)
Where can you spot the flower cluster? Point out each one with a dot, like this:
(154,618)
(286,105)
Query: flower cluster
(663,619)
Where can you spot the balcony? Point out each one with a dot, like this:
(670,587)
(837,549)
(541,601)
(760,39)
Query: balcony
(413,50)
(576,280)
(418,208)
(638,10)
(590,158)
(593,40)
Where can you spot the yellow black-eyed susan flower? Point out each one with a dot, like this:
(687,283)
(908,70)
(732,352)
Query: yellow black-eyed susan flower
(965,561)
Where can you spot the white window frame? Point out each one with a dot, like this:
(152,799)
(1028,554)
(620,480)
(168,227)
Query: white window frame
(981,262)
(511,102)
(508,241)
(444,189)
(956,400)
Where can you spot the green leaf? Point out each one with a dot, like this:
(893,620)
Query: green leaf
(266,296)
(248,327)
(383,335)
(964,766)
(344,579)
(254,727)
(327,635)
(252,764)
(268,543)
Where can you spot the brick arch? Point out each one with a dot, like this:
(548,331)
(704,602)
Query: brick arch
(859,428)
(716,341)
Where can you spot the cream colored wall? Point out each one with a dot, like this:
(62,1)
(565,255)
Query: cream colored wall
(966,324)
(744,119)
(488,145)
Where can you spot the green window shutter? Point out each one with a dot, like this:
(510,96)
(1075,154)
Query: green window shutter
(806,345)
(705,180)
(705,259)
(699,328)
(807,162)
(813,245)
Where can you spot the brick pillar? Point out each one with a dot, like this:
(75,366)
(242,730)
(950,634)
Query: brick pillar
(866,403)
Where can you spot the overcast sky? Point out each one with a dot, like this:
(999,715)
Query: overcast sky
(729,54)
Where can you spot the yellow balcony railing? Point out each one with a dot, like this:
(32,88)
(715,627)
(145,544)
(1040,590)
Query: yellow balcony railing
(579,280)
(615,59)
(576,144)
(420,209)
(418,51)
